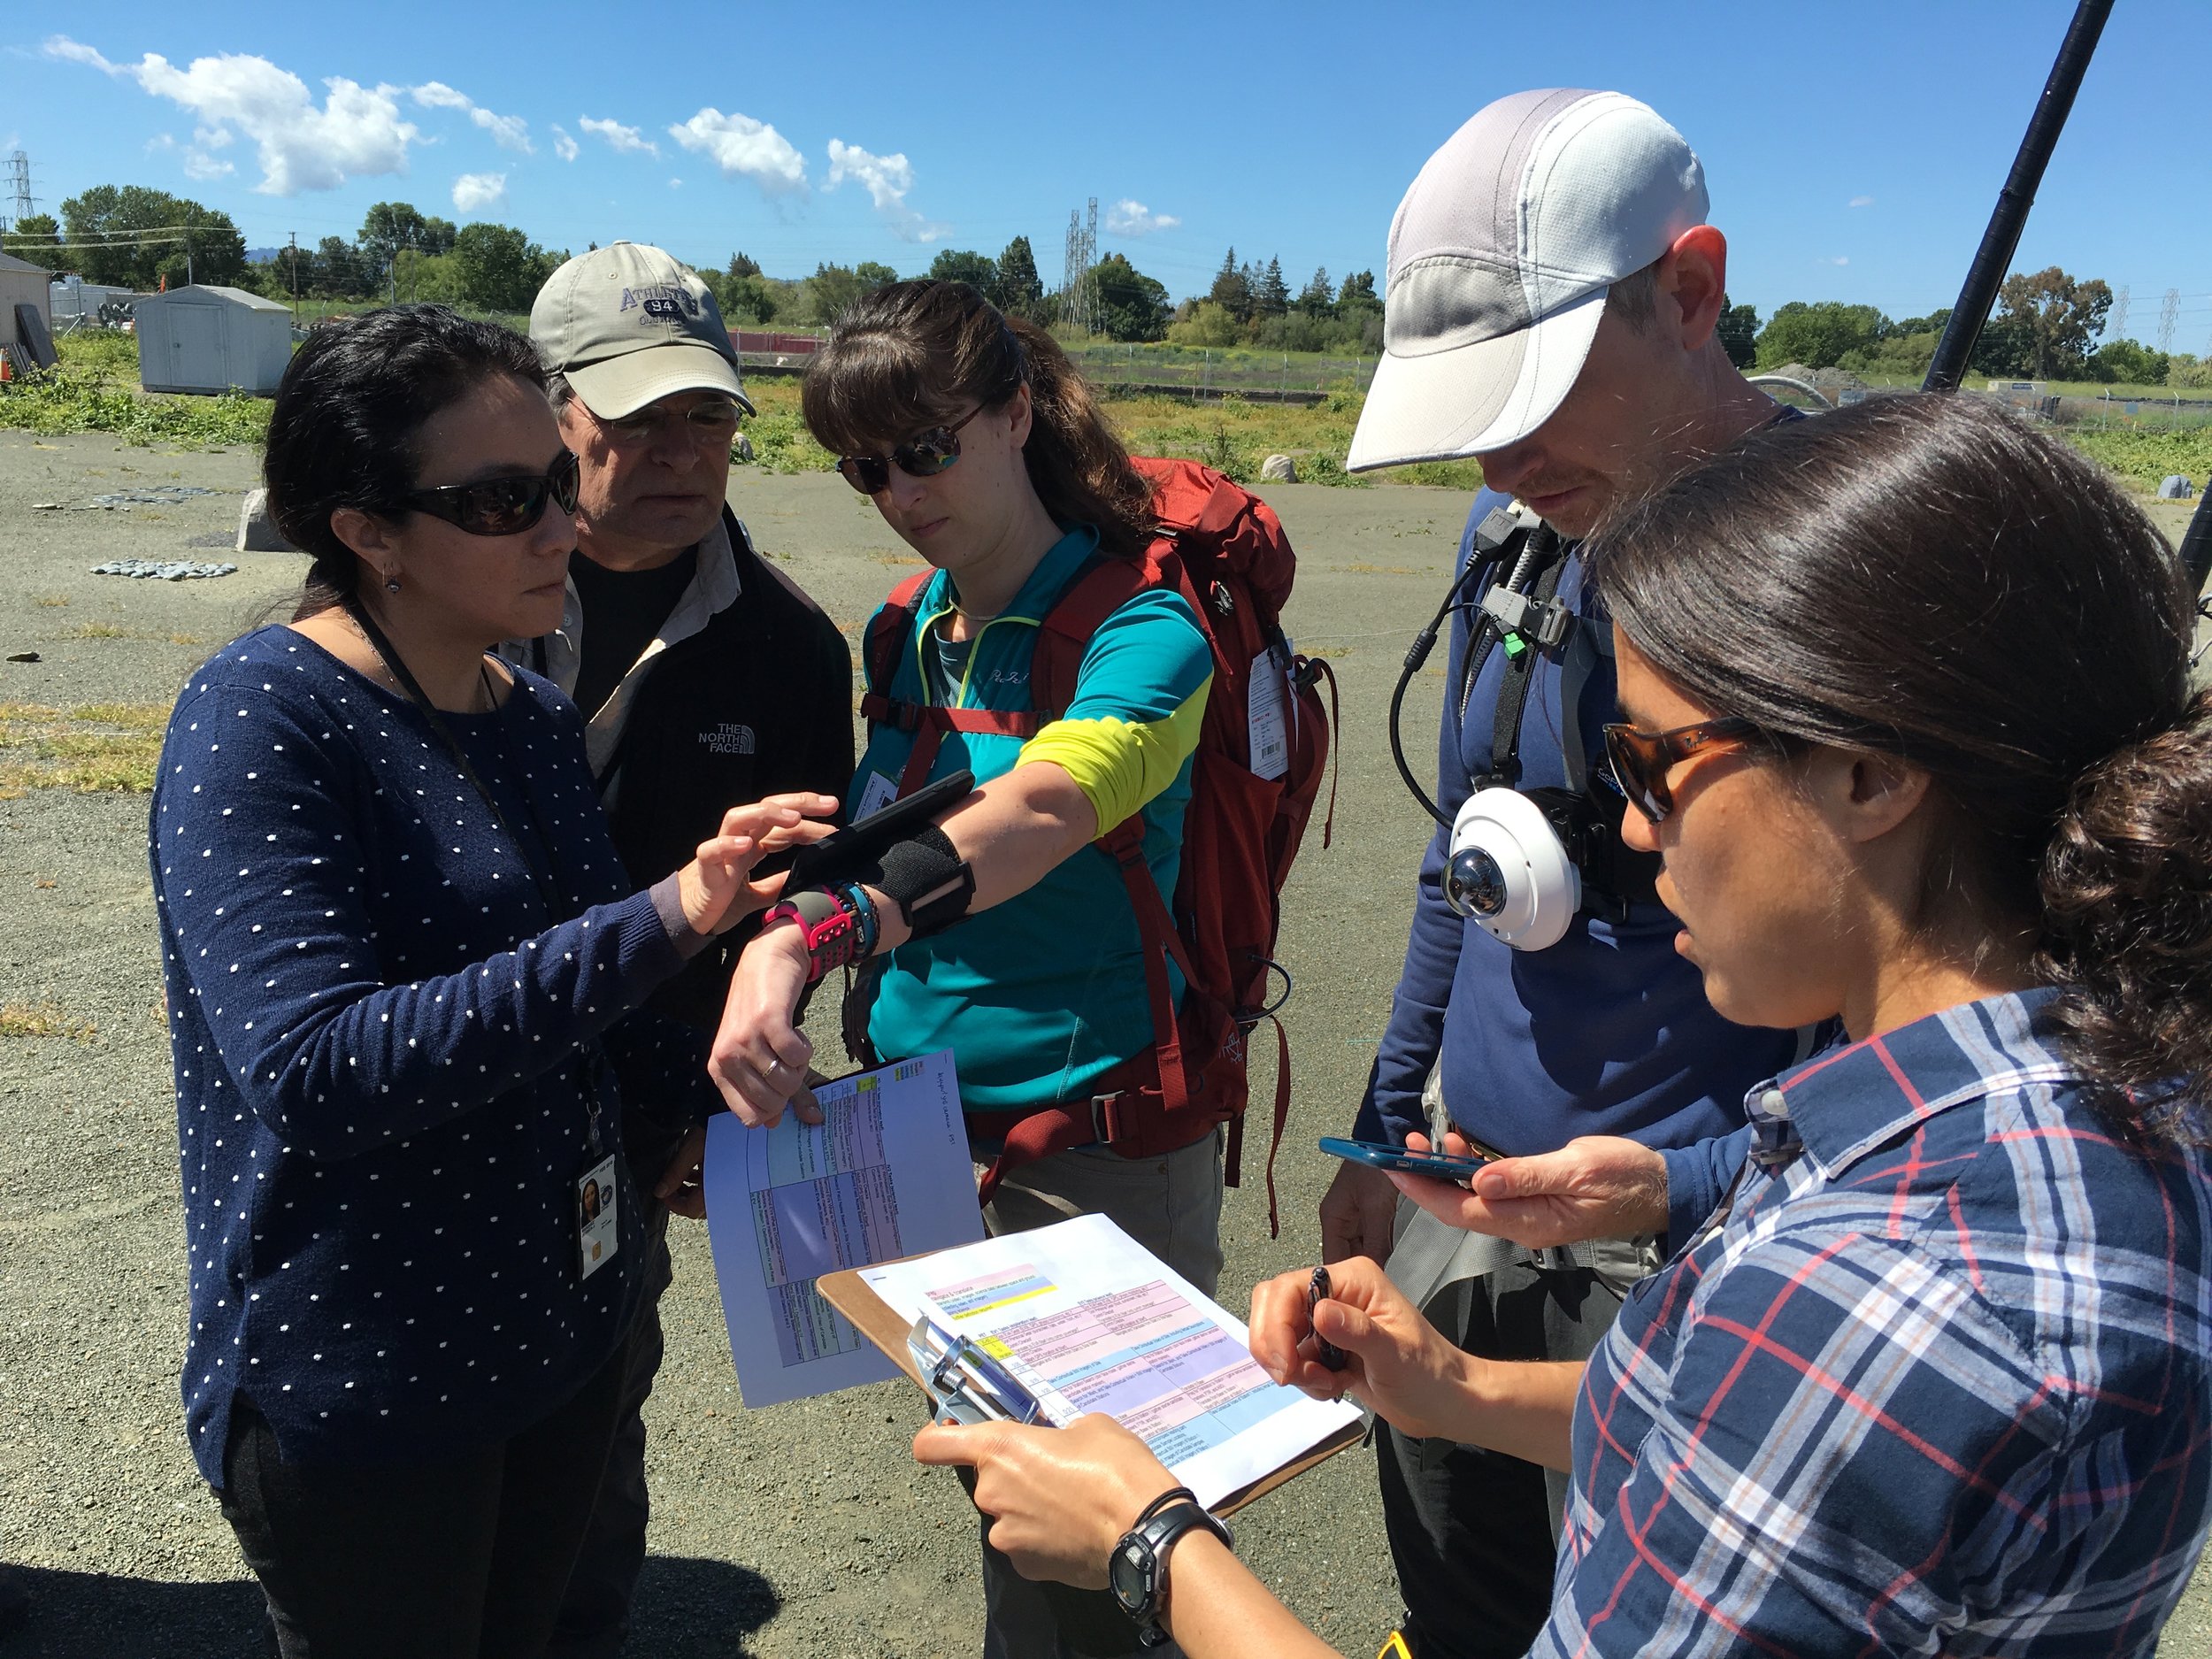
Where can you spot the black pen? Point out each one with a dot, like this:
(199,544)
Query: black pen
(1327,1352)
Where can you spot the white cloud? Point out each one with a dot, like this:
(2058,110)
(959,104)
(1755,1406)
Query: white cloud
(888,179)
(356,132)
(509,132)
(76,52)
(564,146)
(1862,201)
(201,165)
(745,148)
(675,184)
(473,192)
(624,140)
(1839,258)
(1126,218)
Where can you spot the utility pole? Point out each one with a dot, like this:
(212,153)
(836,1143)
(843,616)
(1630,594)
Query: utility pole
(295,279)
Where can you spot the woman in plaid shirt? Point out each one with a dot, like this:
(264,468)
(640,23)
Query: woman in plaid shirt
(1910,721)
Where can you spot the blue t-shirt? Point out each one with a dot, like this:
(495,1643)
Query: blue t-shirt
(1607,1032)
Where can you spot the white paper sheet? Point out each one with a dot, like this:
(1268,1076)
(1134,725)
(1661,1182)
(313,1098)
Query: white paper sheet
(886,1174)
(1089,1320)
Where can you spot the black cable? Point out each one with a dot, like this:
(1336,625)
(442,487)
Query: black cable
(2196,543)
(1417,654)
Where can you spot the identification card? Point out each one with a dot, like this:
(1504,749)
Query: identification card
(1267,715)
(597,1229)
(877,794)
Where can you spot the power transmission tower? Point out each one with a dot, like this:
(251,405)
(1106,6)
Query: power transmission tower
(19,184)
(1078,293)
(2116,323)
(2169,314)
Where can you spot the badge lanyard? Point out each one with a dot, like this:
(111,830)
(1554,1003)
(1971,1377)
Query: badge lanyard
(590,1058)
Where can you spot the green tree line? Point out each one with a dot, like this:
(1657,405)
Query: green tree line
(2048,323)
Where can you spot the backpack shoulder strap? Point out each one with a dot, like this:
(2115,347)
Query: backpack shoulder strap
(888,633)
(1079,614)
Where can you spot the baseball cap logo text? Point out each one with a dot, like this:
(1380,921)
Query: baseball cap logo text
(662,300)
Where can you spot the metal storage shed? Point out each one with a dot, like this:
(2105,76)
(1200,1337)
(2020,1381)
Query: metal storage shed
(205,339)
(22,283)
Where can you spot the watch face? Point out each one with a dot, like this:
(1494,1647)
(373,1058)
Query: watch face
(1129,1575)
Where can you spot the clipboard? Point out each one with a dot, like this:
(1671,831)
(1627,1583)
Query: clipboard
(851,1295)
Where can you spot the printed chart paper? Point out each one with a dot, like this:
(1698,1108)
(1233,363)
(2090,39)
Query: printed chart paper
(886,1174)
(1089,1320)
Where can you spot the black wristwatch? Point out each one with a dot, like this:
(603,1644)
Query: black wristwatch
(1137,1571)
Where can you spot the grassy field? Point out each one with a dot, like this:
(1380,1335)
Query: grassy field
(96,390)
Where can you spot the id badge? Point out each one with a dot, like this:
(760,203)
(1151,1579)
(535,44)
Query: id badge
(597,1223)
(880,792)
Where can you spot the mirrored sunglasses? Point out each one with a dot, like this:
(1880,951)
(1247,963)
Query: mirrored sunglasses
(924,455)
(500,506)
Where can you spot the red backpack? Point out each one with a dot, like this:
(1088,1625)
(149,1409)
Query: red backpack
(1223,550)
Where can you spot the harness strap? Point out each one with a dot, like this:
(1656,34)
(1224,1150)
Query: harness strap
(1520,668)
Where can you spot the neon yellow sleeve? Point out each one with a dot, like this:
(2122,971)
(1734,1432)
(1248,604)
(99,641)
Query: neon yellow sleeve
(1120,764)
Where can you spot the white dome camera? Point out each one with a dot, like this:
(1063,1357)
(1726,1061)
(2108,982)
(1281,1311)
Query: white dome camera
(1509,871)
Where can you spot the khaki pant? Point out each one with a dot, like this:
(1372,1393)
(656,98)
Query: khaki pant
(1171,1205)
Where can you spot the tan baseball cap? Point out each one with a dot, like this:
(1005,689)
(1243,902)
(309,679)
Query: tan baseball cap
(1501,256)
(629,326)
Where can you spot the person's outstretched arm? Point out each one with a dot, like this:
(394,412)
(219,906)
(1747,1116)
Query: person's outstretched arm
(1134,725)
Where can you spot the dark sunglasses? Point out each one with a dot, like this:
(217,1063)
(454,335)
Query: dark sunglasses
(924,455)
(500,506)
(1640,760)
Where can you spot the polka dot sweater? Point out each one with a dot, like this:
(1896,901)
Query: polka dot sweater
(380,1027)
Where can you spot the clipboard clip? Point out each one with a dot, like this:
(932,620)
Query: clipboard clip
(966,1384)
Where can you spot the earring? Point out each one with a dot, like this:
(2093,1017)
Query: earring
(391,584)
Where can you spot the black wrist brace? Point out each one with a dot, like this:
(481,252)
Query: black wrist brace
(926,879)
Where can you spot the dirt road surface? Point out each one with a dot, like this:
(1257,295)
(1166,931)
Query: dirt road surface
(802,1529)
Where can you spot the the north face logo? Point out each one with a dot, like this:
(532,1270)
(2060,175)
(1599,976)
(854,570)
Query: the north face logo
(728,739)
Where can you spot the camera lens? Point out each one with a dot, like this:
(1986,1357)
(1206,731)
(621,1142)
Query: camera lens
(1474,884)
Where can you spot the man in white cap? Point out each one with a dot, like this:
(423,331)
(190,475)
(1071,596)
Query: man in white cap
(1552,294)
(705,678)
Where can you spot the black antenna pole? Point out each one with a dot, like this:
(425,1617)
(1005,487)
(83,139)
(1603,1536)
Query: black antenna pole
(2196,545)
(1987,272)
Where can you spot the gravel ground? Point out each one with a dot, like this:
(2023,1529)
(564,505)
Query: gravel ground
(799,1529)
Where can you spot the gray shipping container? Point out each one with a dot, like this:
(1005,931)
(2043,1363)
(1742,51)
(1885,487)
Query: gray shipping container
(205,339)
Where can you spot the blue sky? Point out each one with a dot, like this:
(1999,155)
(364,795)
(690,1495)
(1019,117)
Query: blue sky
(1853,150)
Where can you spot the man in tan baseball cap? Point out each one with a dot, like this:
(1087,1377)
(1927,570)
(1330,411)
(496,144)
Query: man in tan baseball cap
(705,677)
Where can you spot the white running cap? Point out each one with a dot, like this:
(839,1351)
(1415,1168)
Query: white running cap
(1499,257)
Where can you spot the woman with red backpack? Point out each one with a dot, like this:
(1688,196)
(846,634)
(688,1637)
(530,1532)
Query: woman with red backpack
(985,452)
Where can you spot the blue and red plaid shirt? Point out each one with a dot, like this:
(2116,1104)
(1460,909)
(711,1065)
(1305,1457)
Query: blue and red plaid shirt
(1937,1379)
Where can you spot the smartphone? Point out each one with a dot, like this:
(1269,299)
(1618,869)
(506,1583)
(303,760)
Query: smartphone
(851,852)
(1440,1165)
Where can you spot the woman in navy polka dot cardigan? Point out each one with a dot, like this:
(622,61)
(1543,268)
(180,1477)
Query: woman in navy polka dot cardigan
(404,972)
